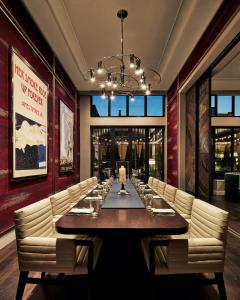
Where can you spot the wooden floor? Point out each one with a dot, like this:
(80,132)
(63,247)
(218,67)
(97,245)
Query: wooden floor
(125,276)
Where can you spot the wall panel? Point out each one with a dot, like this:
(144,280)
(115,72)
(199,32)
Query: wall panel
(172,142)
(14,195)
(190,154)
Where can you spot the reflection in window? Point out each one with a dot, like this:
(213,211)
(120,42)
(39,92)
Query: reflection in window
(119,106)
(224,105)
(237,106)
(101,158)
(222,150)
(138,152)
(155,140)
(99,107)
(236,150)
(155,106)
(136,107)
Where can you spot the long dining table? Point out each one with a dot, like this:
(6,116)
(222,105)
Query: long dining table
(118,216)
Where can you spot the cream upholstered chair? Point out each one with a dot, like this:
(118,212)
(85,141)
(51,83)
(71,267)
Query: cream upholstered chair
(89,184)
(61,204)
(41,249)
(183,204)
(75,194)
(169,194)
(160,188)
(83,188)
(201,250)
(155,184)
(95,181)
(150,181)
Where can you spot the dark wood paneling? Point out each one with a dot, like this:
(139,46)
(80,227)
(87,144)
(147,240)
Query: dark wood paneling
(204,169)
(172,142)
(190,154)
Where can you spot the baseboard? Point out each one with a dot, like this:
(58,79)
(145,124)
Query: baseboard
(7,238)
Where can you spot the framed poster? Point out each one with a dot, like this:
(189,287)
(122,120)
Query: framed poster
(66,138)
(29,120)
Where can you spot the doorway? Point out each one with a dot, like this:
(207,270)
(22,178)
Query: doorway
(139,149)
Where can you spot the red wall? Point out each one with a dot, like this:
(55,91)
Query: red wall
(14,195)
(225,13)
(172,142)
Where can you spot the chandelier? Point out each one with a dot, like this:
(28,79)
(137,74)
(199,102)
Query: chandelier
(123,74)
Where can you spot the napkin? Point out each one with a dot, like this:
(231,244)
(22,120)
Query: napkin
(80,210)
(94,198)
(156,197)
(163,211)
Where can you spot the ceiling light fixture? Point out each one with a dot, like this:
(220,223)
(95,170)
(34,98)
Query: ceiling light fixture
(123,74)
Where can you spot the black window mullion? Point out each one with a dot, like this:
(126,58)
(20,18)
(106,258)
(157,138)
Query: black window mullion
(109,107)
(233,106)
(127,107)
(145,106)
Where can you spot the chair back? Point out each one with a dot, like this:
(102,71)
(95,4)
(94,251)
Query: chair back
(161,187)
(169,193)
(155,183)
(75,193)
(34,220)
(183,203)
(83,187)
(60,202)
(150,181)
(208,221)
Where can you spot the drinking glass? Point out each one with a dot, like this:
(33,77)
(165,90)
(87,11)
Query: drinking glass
(148,200)
(94,207)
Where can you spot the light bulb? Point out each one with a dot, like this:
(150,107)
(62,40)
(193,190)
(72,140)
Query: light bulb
(148,92)
(114,85)
(102,85)
(103,96)
(143,86)
(92,79)
(132,99)
(109,83)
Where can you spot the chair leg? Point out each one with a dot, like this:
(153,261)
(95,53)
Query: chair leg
(21,284)
(221,285)
(43,275)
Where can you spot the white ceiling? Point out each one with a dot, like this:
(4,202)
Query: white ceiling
(226,75)
(161,32)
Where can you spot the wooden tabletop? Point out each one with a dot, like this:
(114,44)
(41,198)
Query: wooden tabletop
(132,221)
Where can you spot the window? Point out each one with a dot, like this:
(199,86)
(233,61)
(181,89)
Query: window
(123,106)
(99,107)
(224,105)
(155,106)
(119,106)
(137,107)
(237,106)
(226,150)
(213,107)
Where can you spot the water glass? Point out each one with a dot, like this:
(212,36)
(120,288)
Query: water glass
(148,200)
(94,207)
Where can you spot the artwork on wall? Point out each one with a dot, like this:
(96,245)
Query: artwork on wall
(66,138)
(29,120)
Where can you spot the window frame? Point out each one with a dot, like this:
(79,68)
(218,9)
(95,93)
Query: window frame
(127,107)
(215,114)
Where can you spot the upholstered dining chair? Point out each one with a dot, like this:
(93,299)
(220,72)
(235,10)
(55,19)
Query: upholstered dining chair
(84,189)
(155,184)
(160,188)
(201,250)
(169,194)
(60,203)
(75,194)
(150,181)
(183,204)
(41,249)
